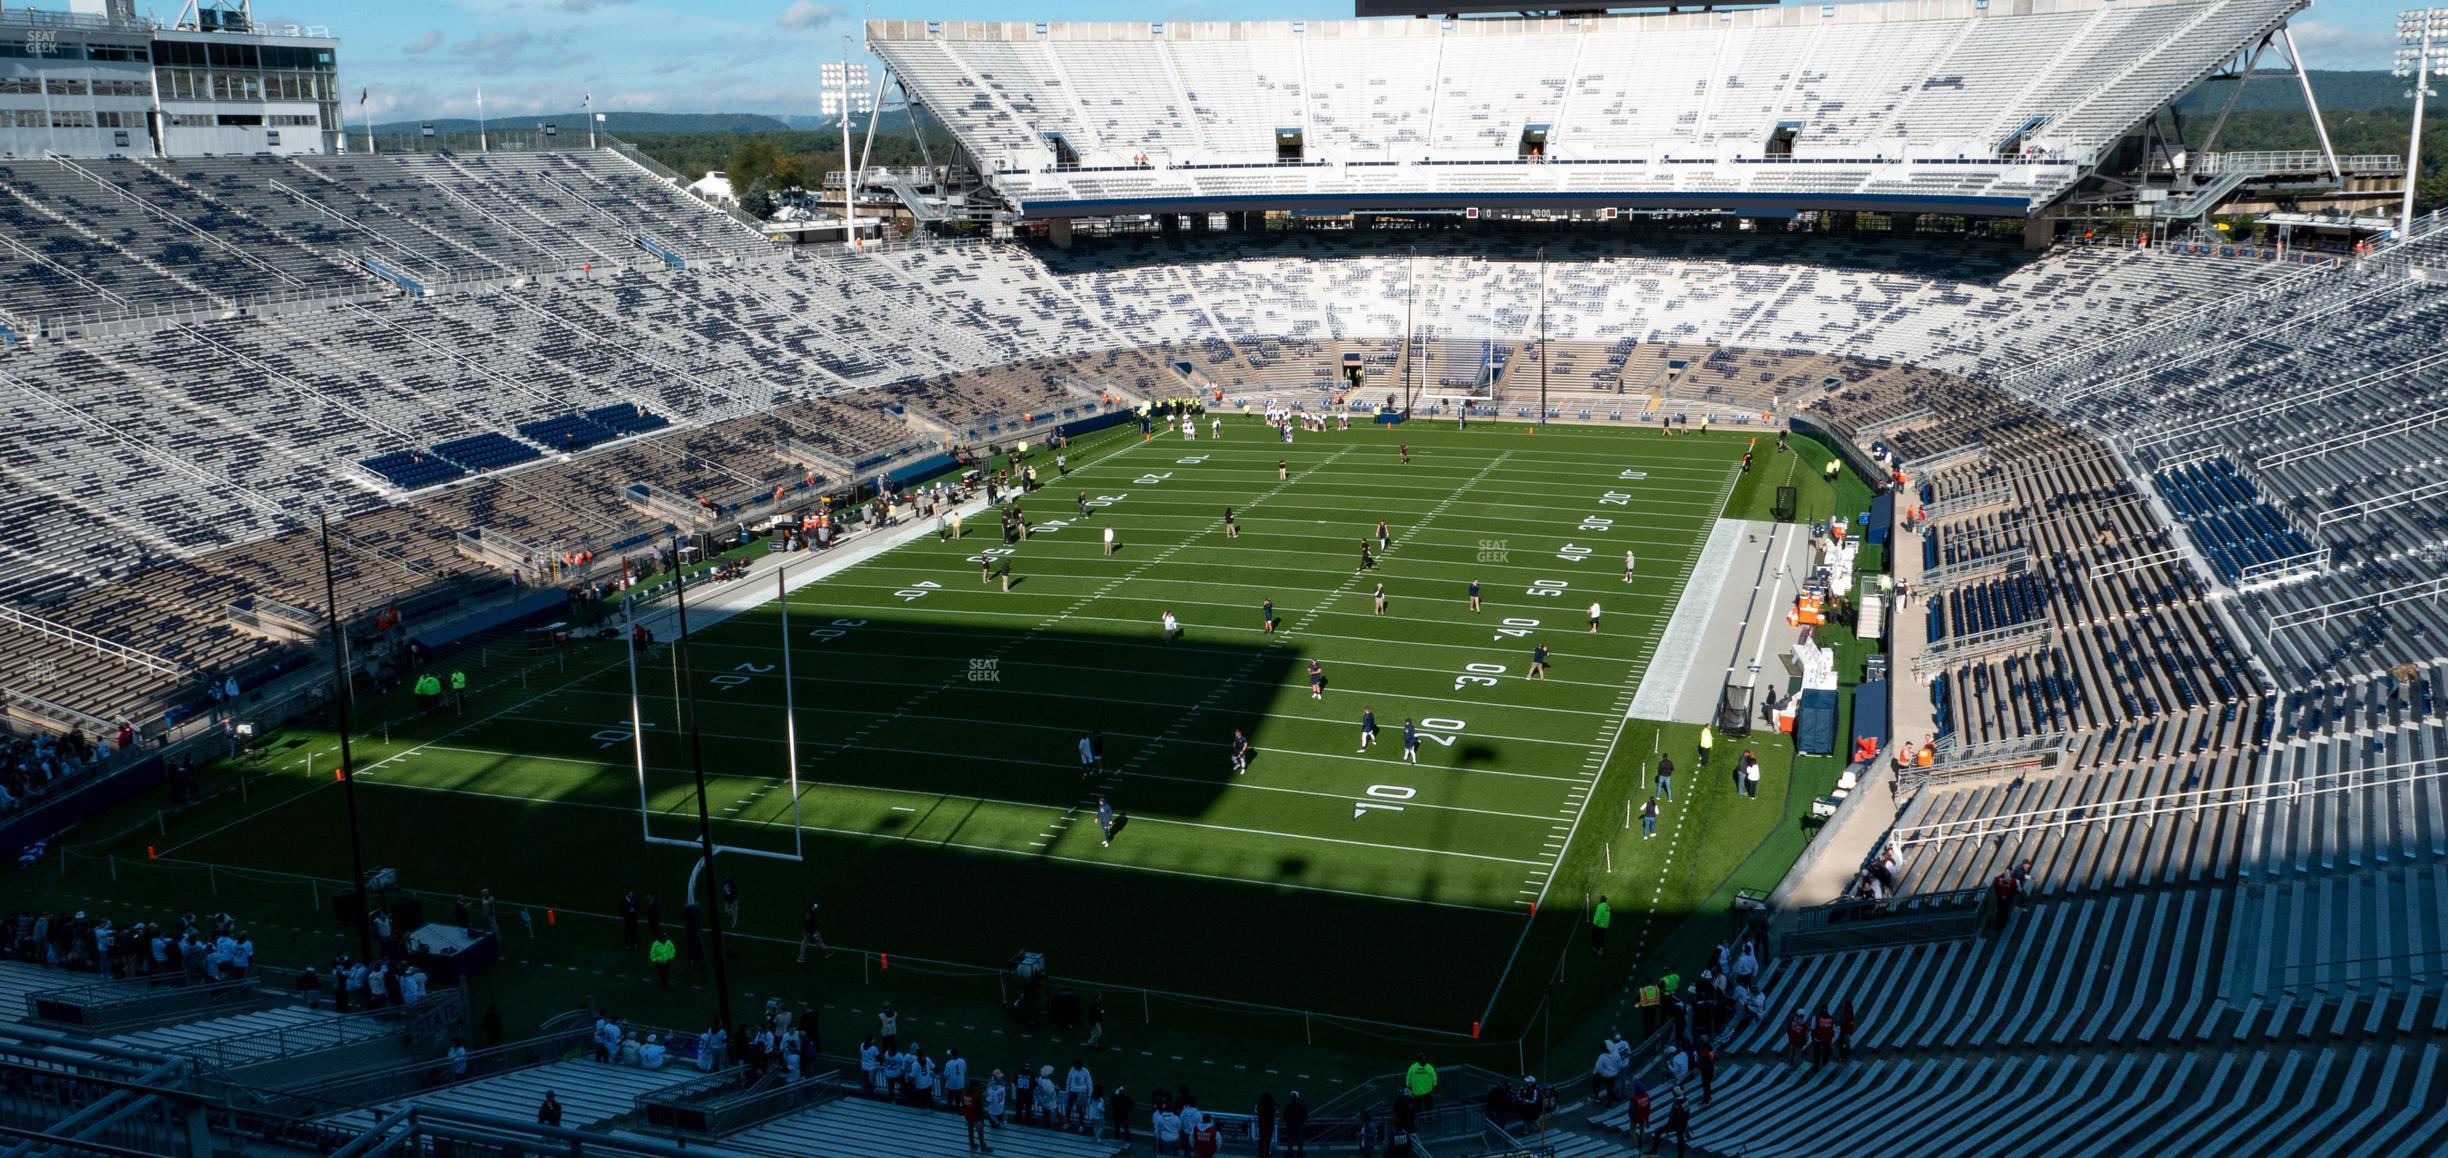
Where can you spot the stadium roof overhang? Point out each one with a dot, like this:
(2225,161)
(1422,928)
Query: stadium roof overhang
(1042,151)
(1449,201)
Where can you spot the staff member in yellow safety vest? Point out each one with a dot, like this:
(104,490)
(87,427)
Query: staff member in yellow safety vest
(1650,996)
(428,692)
(1420,1079)
(1830,469)
(660,953)
(459,690)
(1708,740)
(1600,918)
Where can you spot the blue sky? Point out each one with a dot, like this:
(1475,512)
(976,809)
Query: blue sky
(760,56)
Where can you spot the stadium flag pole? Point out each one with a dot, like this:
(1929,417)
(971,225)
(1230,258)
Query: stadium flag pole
(790,710)
(480,125)
(705,817)
(587,103)
(348,766)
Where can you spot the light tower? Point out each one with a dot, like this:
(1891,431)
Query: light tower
(2421,55)
(845,93)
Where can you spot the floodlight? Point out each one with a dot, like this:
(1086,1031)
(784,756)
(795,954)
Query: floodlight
(2423,54)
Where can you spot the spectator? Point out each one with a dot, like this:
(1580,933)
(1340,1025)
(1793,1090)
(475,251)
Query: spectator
(1166,1125)
(549,1113)
(1822,1036)
(1678,1123)
(1118,1112)
(1605,1073)
(1295,1126)
(998,1095)
(973,1112)
(1636,1118)
(1078,1086)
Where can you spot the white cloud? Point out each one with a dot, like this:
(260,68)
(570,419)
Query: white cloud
(809,14)
(424,44)
(496,49)
(2327,45)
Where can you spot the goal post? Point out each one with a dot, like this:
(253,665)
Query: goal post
(684,703)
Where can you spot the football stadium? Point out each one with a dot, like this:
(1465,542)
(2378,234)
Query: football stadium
(1775,579)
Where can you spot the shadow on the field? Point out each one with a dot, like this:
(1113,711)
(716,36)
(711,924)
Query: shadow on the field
(898,717)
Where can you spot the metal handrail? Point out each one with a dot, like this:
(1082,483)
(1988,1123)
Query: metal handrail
(119,651)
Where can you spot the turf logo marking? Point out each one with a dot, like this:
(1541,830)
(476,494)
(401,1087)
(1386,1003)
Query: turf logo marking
(985,670)
(1383,792)
(616,734)
(1483,675)
(1494,551)
(837,629)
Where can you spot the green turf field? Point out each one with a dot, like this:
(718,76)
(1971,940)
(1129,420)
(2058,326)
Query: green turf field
(943,813)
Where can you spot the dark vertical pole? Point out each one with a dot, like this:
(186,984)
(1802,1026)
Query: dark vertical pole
(1410,258)
(1542,335)
(348,765)
(705,819)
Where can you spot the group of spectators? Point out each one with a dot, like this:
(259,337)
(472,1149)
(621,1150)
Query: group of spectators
(1068,1098)
(1686,1023)
(32,765)
(389,982)
(182,951)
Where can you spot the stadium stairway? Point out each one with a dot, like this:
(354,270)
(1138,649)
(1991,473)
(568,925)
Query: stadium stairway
(858,1127)
(2365,1100)
(589,1091)
(261,1035)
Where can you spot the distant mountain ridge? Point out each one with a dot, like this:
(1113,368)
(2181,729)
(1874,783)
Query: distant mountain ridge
(613,122)
(2338,90)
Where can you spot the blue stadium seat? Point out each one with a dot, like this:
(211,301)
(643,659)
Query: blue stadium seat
(412,469)
(487,451)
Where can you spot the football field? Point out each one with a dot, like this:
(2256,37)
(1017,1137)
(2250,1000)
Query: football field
(943,809)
